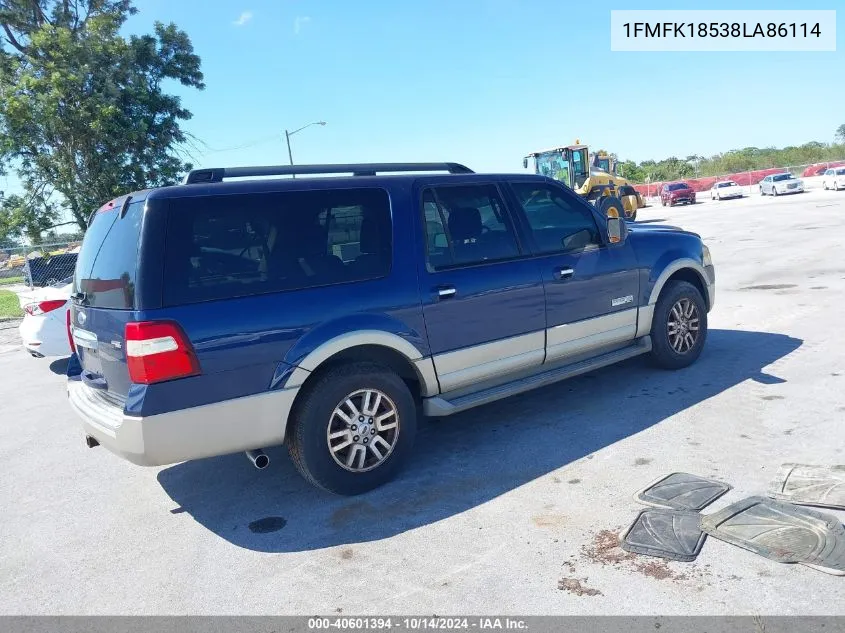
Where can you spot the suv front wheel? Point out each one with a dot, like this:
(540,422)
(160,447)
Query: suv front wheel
(353,428)
(679,326)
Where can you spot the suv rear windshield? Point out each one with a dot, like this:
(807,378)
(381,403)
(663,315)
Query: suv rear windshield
(107,262)
(228,246)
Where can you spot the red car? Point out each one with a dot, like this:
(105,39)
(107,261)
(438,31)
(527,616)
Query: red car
(675,193)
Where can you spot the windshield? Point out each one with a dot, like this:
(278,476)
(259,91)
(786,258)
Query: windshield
(553,165)
(782,177)
(676,186)
(603,164)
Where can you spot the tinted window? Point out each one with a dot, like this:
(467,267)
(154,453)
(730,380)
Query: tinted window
(840,172)
(558,222)
(782,177)
(466,225)
(627,190)
(107,262)
(727,184)
(677,186)
(238,245)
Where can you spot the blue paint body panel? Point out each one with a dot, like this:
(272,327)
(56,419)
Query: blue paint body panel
(252,344)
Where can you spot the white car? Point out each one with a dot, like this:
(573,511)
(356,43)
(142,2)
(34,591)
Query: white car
(834,178)
(725,189)
(777,184)
(44,329)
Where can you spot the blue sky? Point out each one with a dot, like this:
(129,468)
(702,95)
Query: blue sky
(481,82)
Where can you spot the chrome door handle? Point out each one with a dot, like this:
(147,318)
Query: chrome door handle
(444,292)
(562,274)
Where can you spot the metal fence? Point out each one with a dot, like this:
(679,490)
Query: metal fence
(37,266)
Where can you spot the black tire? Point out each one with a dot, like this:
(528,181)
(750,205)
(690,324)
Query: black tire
(307,434)
(762,193)
(824,185)
(662,202)
(662,353)
(774,191)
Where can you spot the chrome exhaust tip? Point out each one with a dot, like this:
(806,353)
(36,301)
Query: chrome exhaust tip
(258,458)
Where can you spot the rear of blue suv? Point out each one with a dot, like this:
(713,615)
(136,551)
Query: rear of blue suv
(215,317)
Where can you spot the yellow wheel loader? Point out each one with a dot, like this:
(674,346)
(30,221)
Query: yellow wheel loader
(592,177)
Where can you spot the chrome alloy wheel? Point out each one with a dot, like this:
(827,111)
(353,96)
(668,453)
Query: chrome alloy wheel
(683,325)
(363,430)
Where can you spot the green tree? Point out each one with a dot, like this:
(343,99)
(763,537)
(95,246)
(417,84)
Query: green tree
(84,115)
(25,217)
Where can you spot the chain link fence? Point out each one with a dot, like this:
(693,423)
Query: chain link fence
(37,266)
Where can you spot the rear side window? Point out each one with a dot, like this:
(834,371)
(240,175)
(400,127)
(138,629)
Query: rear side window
(107,263)
(221,247)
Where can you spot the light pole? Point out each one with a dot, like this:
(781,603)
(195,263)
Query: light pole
(289,134)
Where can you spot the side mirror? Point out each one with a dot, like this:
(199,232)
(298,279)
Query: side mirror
(525,163)
(611,208)
(616,230)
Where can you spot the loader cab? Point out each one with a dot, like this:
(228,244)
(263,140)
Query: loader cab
(569,165)
(604,162)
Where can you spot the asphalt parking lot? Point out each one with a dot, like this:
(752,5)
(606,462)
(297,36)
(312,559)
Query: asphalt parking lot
(508,509)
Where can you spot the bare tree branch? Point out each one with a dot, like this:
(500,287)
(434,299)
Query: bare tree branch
(14,42)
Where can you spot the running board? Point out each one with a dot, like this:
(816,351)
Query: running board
(440,406)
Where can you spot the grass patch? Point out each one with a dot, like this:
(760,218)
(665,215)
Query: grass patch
(8,281)
(9,305)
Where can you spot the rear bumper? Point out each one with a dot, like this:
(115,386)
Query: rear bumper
(43,336)
(215,429)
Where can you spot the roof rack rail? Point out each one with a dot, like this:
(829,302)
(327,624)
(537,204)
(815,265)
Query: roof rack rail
(217,174)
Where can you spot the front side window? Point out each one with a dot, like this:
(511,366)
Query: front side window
(230,246)
(466,225)
(558,223)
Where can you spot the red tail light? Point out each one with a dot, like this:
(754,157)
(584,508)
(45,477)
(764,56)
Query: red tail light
(42,307)
(70,333)
(157,351)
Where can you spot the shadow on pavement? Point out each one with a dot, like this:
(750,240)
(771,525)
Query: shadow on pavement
(654,221)
(466,460)
(59,366)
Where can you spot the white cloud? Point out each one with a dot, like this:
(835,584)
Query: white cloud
(299,22)
(245,17)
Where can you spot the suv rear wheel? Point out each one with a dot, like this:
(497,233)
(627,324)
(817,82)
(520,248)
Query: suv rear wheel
(353,428)
(679,326)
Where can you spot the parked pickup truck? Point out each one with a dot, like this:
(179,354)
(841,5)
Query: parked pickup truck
(220,315)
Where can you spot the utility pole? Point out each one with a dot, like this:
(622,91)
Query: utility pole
(289,134)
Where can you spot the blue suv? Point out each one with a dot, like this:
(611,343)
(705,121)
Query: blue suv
(327,313)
